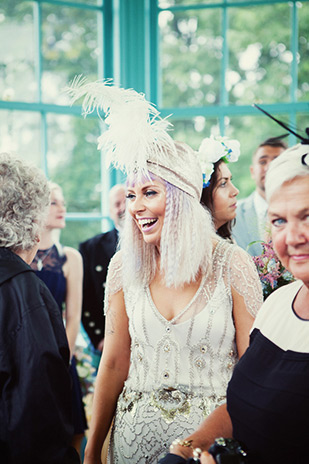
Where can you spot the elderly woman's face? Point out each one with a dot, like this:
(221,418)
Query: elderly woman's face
(288,213)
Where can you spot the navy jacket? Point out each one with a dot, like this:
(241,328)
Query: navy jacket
(97,253)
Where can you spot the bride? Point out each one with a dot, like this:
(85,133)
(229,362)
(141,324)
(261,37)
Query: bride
(180,302)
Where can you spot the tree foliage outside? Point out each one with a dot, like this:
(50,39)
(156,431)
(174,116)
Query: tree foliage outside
(70,47)
(259,62)
(253,59)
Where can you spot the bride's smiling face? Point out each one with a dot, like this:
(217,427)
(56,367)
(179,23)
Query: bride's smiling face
(146,204)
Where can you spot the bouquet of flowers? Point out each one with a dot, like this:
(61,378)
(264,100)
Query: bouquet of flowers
(87,362)
(271,272)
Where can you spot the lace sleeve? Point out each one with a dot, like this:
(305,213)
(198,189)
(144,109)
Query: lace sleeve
(245,280)
(113,279)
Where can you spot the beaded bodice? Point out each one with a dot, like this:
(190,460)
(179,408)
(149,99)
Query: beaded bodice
(196,350)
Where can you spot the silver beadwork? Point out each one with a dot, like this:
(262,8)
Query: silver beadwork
(179,369)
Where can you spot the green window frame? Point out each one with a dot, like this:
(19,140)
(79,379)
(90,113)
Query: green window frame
(131,51)
(45,111)
(292,110)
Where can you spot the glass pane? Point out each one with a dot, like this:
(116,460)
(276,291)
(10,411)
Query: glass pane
(69,47)
(302,120)
(76,232)
(17,51)
(74,161)
(259,54)
(246,1)
(169,3)
(303,47)
(259,128)
(87,2)
(193,131)
(20,134)
(191,49)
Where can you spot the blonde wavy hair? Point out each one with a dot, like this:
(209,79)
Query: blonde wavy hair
(185,247)
(24,203)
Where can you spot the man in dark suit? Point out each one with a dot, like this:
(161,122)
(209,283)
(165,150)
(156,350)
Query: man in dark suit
(251,211)
(97,253)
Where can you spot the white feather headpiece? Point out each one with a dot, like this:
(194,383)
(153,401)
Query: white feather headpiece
(136,139)
(136,132)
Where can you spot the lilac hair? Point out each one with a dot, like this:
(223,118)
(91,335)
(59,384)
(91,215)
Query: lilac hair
(186,241)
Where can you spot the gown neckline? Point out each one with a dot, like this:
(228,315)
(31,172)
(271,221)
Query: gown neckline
(183,311)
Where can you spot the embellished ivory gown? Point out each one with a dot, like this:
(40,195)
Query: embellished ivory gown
(179,369)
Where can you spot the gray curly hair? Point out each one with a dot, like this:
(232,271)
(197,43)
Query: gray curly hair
(24,203)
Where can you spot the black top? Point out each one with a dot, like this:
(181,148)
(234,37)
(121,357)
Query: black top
(52,272)
(97,253)
(52,275)
(35,407)
(268,401)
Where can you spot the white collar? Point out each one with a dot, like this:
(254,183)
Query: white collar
(260,205)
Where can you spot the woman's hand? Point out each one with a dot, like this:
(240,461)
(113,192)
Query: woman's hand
(207,458)
(182,451)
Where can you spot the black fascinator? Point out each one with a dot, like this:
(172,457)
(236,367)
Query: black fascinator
(303,140)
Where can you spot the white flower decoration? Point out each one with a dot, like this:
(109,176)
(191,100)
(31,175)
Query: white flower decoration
(212,149)
(207,169)
(233,149)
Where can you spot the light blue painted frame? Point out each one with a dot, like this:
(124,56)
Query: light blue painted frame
(224,108)
(105,69)
(130,27)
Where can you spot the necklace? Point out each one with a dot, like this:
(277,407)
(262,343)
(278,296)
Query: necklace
(40,259)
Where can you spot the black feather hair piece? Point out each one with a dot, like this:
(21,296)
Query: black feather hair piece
(304,140)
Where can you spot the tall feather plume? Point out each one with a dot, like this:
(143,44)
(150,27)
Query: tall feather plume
(135,131)
(304,140)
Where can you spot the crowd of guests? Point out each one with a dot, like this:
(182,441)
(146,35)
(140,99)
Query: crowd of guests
(189,351)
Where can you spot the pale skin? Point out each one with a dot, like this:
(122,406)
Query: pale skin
(146,204)
(73,272)
(72,268)
(260,164)
(224,197)
(289,218)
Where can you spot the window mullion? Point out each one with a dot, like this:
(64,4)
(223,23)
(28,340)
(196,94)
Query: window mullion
(224,65)
(294,49)
(37,19)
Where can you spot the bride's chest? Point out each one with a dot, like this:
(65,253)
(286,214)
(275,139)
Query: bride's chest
(209,311)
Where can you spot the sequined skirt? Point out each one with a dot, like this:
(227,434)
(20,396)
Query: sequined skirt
(147,422)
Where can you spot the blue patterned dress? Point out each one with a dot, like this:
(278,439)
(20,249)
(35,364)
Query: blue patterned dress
(48,267)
